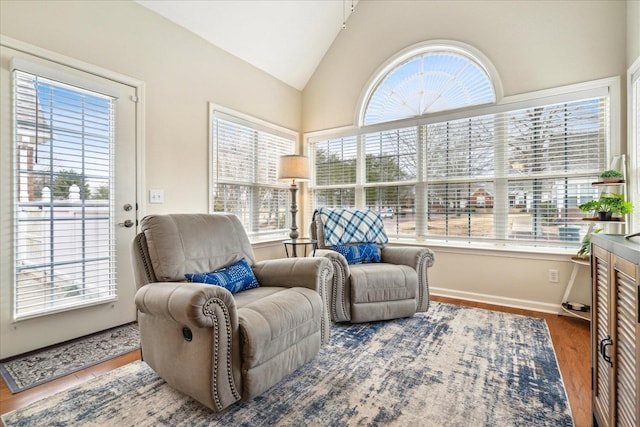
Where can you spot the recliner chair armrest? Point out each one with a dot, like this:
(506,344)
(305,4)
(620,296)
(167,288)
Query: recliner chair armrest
(186,303)
(339,292)
(337,259)
(293,272)
(408,255)
(211,315)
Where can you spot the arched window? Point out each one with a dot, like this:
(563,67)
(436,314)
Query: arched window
(425,79)
(442,155)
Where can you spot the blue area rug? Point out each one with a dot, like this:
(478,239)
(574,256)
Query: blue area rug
(452,366)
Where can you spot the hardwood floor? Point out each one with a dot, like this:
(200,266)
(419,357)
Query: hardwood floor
(570,338)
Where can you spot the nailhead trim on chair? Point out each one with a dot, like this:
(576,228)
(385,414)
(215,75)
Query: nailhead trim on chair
(143,256)
(207,310)
(425,261)
(338,277)
(323,284)
(421,269)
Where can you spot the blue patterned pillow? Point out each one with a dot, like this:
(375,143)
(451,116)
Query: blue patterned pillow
(359,254)
(235,277)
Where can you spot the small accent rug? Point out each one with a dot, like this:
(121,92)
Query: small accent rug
(452,366)
(33,369)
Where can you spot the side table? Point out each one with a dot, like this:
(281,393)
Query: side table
(306,244)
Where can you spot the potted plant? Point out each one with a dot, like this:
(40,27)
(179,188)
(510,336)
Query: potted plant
(612,176)
(616,204)
(594,206)
(607,205)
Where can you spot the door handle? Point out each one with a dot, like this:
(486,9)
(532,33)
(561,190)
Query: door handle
(603,350)
(127,223)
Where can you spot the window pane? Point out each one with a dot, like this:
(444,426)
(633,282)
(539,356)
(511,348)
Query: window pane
(235,199)
(547,209)
(396,205)
(461,210)
(391,155)
(274,209)
(335,161)
(461,148)
(64,246)
(334,198)
(561,138)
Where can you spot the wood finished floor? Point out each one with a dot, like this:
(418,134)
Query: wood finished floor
(570,338)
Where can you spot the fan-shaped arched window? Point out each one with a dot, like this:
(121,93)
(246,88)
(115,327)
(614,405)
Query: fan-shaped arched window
(434,78)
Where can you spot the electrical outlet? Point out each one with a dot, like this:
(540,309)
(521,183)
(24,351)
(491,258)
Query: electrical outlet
(553,276)
(156,196)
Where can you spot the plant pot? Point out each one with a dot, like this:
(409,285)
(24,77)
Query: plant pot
(612,180)
(604,216)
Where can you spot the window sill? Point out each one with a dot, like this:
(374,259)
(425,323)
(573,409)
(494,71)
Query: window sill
(495,249)
(268,242)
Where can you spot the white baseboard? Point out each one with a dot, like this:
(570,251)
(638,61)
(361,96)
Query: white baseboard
(497,300)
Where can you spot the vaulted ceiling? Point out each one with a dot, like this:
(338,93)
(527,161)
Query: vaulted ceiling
(284,38)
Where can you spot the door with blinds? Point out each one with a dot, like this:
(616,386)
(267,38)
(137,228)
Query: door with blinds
(68,204)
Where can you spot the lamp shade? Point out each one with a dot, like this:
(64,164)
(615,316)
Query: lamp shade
(293,167)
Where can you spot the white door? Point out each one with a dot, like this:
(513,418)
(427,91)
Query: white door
(67,202)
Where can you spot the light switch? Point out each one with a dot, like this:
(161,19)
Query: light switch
(156,196)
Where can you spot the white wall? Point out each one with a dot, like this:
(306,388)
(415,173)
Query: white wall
(181,72)
(534,45)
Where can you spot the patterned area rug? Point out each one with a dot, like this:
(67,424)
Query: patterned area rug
(453,366)
(37,368)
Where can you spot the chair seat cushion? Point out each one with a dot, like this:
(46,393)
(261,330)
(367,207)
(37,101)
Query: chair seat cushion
(273,320)
(382,282)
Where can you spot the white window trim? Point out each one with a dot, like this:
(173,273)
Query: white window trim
(633,141)
(610,86)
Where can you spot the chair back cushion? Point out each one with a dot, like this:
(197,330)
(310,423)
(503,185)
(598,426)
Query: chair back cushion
(194,243)
(343,226)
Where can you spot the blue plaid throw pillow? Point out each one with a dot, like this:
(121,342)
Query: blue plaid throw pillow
(235,277)
(359,254)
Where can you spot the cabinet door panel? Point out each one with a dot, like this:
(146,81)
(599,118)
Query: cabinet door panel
(602,391)
(626,352)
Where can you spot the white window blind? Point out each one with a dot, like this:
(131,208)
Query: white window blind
(64,241)
(514,175)
(245,174)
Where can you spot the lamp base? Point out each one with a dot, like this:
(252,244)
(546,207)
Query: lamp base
(294,210)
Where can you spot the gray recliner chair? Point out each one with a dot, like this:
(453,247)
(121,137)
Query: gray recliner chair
(396,287)
(206,342)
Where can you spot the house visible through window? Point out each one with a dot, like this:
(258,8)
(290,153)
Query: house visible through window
(244,173)
(500,172)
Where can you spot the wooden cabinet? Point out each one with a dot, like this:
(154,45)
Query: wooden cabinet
(615,331)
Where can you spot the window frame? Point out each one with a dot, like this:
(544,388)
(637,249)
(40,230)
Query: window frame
(255,125)
(603,87)
(71,85)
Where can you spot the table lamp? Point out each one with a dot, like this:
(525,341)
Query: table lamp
(293,167)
